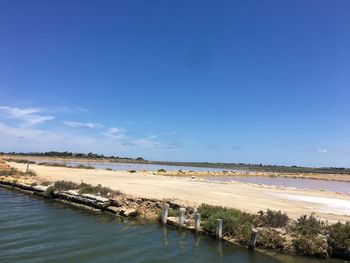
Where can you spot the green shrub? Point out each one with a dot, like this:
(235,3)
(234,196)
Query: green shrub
(315,246)
(235,223)
(173,212)
(161,171)
(272,218)
(270,239)
(132,171)
(339,240)
(308,225)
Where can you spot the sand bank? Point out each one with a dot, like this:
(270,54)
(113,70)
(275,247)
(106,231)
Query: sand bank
(247,197)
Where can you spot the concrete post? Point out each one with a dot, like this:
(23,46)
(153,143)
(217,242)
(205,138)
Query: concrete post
(27,167)
(219,228)
(165,214)
(182,216)
(253,237)
(197,222)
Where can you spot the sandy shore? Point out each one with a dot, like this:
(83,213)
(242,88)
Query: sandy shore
(247,197)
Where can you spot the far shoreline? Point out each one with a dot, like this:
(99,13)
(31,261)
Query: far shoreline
(189,173)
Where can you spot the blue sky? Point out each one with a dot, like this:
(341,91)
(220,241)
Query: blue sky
(230,81)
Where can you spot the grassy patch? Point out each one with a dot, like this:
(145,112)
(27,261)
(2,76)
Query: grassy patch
(235,222)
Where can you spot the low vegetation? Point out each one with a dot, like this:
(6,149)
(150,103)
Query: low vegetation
(161,171)
(82,188)
(16,172)
(18,160)
(339,240)
(132,171)
(272,218)
(81,166)
(307,235)
(235,222)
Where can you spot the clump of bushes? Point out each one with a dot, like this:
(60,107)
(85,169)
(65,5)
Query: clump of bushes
(109,169)
(339,240)
(64,186)
(270,239)
(53,164)
(132,171)
(9,172)
(97,190)
(236,223)
(272,218)
(81,166)
(161,171)
(309,239)
(82,188)
(315,246)
(19,160)
(308,225)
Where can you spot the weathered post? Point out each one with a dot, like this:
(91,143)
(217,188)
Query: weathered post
(182,216)
(218,228)
(165,214)
(27,167)
(197,221)
(253,237)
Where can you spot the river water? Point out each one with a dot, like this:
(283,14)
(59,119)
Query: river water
(36,230)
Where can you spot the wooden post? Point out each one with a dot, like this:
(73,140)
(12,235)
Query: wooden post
(253,237)
(182,216)
(197,222)
(27,167)
(165,214)
(218,228)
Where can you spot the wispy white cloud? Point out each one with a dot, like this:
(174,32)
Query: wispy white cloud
(26,116)
(322,150)
(82,125)
(114,133)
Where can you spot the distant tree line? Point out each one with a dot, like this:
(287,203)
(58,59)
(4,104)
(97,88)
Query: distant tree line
(67,154)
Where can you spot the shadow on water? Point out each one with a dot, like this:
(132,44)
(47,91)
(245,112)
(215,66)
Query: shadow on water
(36,230)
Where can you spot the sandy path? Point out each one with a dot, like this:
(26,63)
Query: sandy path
(247,197)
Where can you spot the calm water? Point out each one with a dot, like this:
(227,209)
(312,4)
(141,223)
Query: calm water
(35,230)
(137,166)
(299,183)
